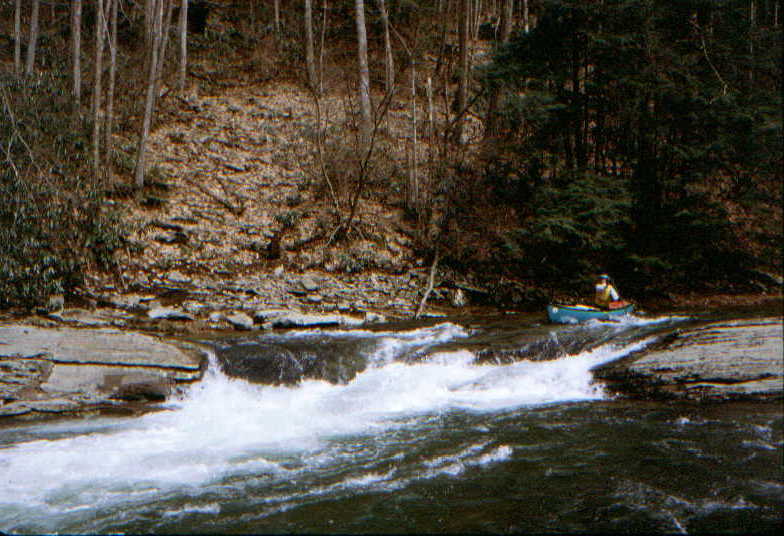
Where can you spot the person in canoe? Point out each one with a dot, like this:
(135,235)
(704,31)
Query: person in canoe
(606,296)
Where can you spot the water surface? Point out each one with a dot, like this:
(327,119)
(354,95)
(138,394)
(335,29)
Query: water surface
(480,425)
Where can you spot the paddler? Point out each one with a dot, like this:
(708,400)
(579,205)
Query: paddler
(606,295)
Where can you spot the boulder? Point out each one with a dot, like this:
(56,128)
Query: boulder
(290,362)
(741,359)
(309,284)
(178,278)
(240,321)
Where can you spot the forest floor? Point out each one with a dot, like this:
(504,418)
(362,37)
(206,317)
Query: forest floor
(236,216)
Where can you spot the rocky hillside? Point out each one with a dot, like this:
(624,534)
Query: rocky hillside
(231,219)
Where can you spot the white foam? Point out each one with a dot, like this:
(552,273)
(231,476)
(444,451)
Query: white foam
(211,509)
(456,464)
(224,427)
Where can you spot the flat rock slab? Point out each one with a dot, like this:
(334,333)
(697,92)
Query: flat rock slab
(284,318)
(94,346)
(45,371)
(723,360)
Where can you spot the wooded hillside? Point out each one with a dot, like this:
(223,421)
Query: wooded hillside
(517,146)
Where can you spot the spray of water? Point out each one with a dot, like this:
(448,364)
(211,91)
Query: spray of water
(225,427)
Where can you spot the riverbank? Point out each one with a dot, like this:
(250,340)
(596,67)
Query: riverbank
(174,303)
(79,361)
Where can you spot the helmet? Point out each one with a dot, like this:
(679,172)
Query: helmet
(604,277)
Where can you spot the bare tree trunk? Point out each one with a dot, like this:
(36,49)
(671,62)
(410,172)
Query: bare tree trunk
(277,19)
(310,59)
(507,18)
(167,7)
(414,175)
(112,75)
(477,20)
(31,44)
(431,126)
(462,90)
(430,283)
(526,22)
(18,37)
(100,28)
(76,54)
(443,15)
(364,74)
(156,33)
(388,59)
(322,47)
(149,21)
(183,30)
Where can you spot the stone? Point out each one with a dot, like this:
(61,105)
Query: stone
(193,307)
(240,320)
(103,346)
(68,370)
(131,302)
(300,320)
(178,277)
(165,313)
(374,318)
(138,387)
(19,375)
(309,284)
(53,405)
(14,409)
(56,302)
(279,271)
(266,315)
(171,238)
(722,360)
(82,317)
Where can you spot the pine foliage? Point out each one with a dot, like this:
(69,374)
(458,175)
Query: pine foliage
(631,126)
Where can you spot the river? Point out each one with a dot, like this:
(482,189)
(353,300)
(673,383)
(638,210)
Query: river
(472,425)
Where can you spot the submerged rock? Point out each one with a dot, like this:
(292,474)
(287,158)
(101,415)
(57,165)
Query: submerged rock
(723,360)
(290,362)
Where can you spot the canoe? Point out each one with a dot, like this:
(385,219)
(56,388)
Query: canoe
(574,314)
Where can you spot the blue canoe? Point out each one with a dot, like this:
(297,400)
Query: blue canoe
(574,314)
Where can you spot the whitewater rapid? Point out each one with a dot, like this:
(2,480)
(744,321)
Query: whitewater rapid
(227,428)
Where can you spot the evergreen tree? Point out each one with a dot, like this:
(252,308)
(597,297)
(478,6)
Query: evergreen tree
(642,104)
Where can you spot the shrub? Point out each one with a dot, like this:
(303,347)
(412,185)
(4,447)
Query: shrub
(54,223)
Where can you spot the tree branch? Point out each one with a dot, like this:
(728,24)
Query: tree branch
(430,282)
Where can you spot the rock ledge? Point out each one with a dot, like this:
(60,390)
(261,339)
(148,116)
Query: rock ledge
(742,359)
(68,370)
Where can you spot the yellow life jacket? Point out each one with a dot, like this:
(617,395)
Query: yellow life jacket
(603,296)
